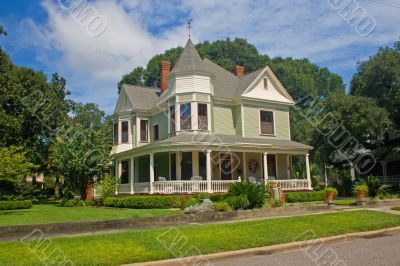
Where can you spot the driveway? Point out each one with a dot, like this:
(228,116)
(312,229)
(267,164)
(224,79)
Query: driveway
(379,250)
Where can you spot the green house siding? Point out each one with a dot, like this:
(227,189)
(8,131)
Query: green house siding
(162,120)
(252,122)
(237,118)
(223,118)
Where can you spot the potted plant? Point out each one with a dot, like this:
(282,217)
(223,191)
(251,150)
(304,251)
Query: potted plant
(361,190)
(330,194)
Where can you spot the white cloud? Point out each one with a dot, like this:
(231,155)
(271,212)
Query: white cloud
(137,30)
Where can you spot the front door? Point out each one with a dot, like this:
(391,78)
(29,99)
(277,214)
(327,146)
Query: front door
(186,166)
(226,167)
(271,162)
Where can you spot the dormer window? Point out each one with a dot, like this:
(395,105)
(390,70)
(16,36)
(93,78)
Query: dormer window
(266,83)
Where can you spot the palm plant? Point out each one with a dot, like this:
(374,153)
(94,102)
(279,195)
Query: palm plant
(256,194)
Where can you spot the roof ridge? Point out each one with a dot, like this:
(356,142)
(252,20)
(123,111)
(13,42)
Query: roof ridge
(140,86)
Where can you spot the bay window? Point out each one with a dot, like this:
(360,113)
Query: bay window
(267,122)
(186,116)
(144,130)
(115,133)
(202,116)
(125,132)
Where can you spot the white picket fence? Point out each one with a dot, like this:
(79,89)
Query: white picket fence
(291,184)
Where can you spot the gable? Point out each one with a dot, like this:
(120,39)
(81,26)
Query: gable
(274,92)
(123,103)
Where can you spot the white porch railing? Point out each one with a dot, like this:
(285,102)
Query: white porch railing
(183,186)
(291,184)
(391,179)
(141,187)
(221,185)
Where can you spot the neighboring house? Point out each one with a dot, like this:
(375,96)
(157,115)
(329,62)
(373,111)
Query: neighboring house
(203,129)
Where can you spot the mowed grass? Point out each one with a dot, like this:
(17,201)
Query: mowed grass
(50,213)
(157,244)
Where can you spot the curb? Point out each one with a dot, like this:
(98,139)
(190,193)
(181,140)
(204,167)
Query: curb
(263,250)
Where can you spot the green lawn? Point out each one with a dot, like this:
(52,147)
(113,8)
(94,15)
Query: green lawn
(49,213)
(138,246)
(349,202)
(396,208)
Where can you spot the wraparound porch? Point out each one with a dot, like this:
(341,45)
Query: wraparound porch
(209,171)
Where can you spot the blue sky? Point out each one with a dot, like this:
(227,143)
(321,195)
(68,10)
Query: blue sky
(93,52)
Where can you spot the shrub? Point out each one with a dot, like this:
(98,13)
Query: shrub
(374,186)
(256,194)
(293,197)
(276,203)
(72,203)
(361,187)
(222,207)
(142,202)
(189,202)
(13,205)
(107,186)
(238,202)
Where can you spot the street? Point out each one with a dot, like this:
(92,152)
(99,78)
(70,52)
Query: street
(377,250)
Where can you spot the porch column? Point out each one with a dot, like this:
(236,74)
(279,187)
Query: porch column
(265,164)
(244,167)
(132,174)
(208,170)
(308,171)
(118,167)
(178,165)
(384,171)
(151,173)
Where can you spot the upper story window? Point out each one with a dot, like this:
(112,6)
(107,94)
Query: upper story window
(202,116)
(144,130)
(124,131)
(172,118)
(115,133)
(156,130)
(186,116)
(266,83)
(267,122)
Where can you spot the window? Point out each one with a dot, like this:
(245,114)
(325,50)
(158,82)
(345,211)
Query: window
(124,129)
(202,116)
(266,83)
(186,116)
(125,172)
(156,131)
(172,118)
(144,130)
(267,122)
(115,133)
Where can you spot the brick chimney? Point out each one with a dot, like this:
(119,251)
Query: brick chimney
(165,69)
(239,71)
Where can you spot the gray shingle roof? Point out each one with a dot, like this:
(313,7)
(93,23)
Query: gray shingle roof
(234,140)
(143,98)
(189,60)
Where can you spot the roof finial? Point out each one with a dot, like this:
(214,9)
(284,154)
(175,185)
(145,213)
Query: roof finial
(189,26)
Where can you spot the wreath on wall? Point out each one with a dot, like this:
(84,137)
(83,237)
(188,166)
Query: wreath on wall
(253,166)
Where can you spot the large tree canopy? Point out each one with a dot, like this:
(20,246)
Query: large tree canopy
(299,76)
(379,78)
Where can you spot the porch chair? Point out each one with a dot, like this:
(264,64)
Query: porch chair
(160,178)
(196,185)
(254,180)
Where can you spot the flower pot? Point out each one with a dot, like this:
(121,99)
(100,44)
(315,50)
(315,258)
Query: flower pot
(360,195)
(329,196)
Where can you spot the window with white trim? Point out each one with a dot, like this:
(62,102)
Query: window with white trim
(202,116)
(124,132)
(144,130)
(115,133)
(266,83)
(186,116)
(267,122)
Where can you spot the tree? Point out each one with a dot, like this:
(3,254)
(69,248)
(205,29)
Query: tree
(89,115)
(135,77)
(80,155)
(14,166)
(379,78)
(3,31)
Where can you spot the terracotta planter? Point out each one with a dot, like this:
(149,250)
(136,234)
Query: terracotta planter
(360,195)
(329,196)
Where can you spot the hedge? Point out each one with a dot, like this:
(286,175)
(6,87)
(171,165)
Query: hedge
(305,196)
(13,205)
(145,202)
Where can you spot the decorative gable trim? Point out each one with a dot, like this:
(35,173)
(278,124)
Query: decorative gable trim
(274,80)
